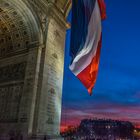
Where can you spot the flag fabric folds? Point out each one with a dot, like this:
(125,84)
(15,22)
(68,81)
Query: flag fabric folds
(86,39)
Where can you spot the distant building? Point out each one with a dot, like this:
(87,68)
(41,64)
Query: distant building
(101,129)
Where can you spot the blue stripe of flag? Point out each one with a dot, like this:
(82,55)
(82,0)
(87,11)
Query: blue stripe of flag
(81,14)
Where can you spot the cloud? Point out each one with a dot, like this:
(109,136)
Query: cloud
(74,117)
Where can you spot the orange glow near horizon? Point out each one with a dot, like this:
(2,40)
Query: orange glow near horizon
(137,126)
(65,127)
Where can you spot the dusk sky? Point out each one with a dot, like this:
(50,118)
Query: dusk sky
(117,91)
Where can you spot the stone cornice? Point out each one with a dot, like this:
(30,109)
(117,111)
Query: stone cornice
(51,9)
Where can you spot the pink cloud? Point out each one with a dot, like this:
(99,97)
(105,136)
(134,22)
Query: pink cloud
(74,116)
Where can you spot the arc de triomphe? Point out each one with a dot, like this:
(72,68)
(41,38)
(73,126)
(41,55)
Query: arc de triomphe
(32,43)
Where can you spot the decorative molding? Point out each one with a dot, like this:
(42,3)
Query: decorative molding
(19,28)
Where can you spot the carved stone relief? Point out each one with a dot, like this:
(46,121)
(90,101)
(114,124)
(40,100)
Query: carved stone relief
(12,72)
(10,96)
(11,88)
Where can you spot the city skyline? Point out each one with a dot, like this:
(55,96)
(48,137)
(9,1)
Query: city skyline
(117,90)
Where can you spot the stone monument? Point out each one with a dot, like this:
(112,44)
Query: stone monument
(32,44)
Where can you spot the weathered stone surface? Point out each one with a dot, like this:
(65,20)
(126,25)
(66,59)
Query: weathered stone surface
(52,78)
(32,38)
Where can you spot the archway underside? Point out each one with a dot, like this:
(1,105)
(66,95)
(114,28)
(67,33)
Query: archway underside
(16,32)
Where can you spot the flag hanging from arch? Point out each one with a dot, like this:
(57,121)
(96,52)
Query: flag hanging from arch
(86,40)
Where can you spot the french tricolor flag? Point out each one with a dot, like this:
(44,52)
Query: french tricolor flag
(86,36)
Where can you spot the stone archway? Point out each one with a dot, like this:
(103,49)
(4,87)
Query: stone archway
(32,38)
(19,28)
(20,38)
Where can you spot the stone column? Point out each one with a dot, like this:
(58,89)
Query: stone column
(49,97)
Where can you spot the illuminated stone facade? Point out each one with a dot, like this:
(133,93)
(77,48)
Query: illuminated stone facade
(32,40)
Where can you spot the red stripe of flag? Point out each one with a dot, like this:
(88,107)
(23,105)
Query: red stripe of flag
(89,74)
(102,8)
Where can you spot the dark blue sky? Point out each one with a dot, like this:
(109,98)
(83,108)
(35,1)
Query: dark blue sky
(117,91)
